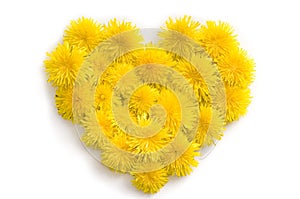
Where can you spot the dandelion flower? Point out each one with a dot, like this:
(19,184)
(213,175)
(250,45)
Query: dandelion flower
(182,165)
(217,38)
(237,100)
(63,64)
(63,100)
(179,36)
(70,105)
(84,33)
(119,38)
(150,182)
(236,68)
(185,25)
(143,98)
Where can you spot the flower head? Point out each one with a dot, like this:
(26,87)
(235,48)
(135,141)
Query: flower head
(236,68)
(182,165)
(84,33)
(63,100)
(217,38)
(142,99)
(180,36)
(63,64)
(237,100)
(150,182)
(119,38)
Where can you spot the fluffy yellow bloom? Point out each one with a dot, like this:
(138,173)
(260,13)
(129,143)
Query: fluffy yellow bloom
(236,68)
(69,105)
(238,99)
(119,38)
(217,38)
(150,182)
(185,25)
(182,165)
(63,100)
(180,36)
(142,99)
(115,27)
(63,64)
(84,33)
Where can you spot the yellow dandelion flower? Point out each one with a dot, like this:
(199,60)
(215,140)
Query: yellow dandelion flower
(119,38)
(84,33)
(103,96)
(172,108)
(185,25)
(237,101)
(142,99)
(182,165)
(115,27)
(236,68)
(150,182)
(140,102)
(63,100)
(217,38)
(63,64)
(69,105)
(180,36)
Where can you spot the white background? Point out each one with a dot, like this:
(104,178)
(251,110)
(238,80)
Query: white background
(42,157)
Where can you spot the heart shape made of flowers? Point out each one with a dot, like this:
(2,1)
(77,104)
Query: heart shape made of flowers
(149,108)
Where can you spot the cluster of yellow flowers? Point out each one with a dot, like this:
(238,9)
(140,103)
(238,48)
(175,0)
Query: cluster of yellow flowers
(179,40)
